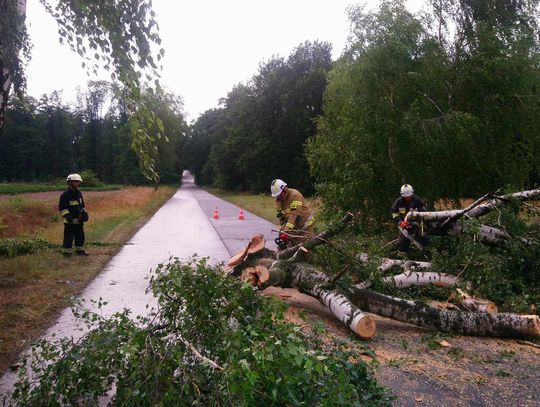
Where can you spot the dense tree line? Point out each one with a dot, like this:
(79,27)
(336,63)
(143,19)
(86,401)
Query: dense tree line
(258,132)
(46,139)
(447,101)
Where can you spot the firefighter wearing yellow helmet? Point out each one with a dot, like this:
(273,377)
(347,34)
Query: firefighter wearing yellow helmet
(408,201)
(71,207)
(294,214)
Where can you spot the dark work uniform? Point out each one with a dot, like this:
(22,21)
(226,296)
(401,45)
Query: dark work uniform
(71,208)
(399,209)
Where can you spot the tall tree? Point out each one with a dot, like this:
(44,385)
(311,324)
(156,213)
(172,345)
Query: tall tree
(260,130)
(117,34)
(448,109)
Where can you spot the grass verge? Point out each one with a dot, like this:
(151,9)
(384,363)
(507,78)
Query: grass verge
(35,287)
(262,205)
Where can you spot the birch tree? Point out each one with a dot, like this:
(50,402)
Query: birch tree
(117,35)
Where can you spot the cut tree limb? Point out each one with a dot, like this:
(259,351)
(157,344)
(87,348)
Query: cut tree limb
(363,324)
(409,278)
(476,304)
(317,240)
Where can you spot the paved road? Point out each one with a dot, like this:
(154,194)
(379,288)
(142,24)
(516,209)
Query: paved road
(182,227)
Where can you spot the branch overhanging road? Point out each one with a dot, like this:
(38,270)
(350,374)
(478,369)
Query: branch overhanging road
(184,226)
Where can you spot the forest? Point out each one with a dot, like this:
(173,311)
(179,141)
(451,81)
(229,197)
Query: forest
(46,139)
(446,100)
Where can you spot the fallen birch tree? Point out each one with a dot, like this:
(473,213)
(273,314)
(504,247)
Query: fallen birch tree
(449,221)
(263,268)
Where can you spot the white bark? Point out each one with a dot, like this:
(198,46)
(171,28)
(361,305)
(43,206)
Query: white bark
(409,278)
(486,234)
(360,323)
(479,210)
(468,323)
(387,264)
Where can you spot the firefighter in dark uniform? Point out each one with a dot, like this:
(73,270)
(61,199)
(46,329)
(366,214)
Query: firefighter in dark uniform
(408,201)
(71,207)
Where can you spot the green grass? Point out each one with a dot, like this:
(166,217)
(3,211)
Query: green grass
(36,282)
(14,188)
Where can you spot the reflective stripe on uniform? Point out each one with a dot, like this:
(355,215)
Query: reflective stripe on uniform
(73,221)
(73,203)
(395,215)
(64,212)
(289,225)
(309,221)
(295,204)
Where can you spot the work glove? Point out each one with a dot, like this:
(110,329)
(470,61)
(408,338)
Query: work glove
(284,237)
(404,224)
(69,217)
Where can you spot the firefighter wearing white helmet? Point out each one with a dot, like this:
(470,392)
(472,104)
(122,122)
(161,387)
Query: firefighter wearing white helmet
(73,177)
(408,201)
(294,214)
(71,207)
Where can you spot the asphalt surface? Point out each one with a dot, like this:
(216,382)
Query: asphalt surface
(183,227)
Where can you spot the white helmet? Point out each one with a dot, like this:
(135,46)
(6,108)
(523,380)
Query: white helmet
(73,177)
(276,187)
(406,190)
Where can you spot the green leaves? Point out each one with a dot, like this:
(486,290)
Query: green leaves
(266,121)
(409,102)
(265,360)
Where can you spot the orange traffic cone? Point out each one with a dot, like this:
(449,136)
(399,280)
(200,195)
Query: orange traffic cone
(241,214)
(216,213)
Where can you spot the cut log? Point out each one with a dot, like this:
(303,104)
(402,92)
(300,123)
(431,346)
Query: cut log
(407,279)
(307,279)
(476,304)
(345,311)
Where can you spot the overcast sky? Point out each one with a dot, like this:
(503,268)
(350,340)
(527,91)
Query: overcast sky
(210,45)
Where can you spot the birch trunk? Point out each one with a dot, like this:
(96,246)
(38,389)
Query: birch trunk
(362,324)
(486,234)
(407,279)
(467,323)
(6,78)
(479,210)
(306,277)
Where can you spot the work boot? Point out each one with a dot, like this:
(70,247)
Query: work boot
(66,254)
(81,253)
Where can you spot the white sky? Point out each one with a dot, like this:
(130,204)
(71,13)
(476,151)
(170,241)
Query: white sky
(210,45)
